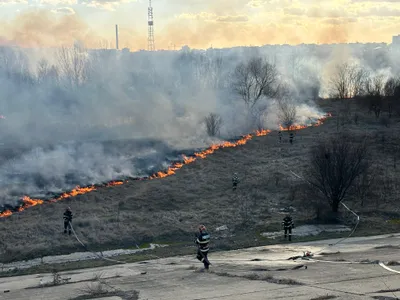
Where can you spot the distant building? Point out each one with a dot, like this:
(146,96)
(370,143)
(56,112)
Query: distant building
(396,40)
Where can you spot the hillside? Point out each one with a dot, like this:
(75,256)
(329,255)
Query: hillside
(169,209)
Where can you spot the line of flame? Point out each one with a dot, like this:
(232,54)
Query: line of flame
(29,202)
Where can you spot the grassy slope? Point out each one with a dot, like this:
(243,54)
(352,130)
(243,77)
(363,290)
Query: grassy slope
(169,209)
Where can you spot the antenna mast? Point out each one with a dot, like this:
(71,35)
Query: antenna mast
(150,39)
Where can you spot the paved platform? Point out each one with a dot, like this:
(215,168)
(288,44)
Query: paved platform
(348,270)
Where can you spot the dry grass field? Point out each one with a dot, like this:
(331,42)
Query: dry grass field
(169,209)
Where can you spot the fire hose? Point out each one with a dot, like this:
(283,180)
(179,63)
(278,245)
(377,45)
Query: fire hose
(304,257)
(344,205)
(381,264)
(98,255)
(95,253)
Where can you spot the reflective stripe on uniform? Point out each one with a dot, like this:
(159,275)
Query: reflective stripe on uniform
(202,242)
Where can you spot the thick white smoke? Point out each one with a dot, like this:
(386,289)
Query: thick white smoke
(83,117)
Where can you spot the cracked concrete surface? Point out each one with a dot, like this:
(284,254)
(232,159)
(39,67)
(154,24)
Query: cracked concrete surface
(179,277)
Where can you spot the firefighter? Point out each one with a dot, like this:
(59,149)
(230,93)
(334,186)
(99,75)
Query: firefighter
(202,241)
(291,136)
(235,181)
(67,220)
(288,225)
(280,136)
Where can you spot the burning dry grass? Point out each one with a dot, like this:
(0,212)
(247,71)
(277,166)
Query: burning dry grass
(29,202)
(169,210)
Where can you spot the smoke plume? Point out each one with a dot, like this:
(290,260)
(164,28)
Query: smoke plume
(75,116)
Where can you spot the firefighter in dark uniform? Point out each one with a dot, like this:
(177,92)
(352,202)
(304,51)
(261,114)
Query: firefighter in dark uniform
(288,225)
(235,181)
(67,220)
(291,136)
(280,136)
(202,241)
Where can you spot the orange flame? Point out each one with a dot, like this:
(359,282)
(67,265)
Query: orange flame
(5,213)
(29,202)
(293,127)
(114,183)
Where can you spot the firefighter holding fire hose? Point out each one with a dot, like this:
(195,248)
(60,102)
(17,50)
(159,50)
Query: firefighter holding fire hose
(67,220)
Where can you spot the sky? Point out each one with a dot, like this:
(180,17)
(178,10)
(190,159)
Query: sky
(197,23)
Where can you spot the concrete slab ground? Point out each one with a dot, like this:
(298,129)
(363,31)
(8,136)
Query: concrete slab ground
(348,270)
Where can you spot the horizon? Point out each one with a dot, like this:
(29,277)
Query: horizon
(198,24)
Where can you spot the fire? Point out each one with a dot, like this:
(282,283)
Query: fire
(293,127)
(262,132)
(5,213)
(29,202)
(114,183)
(75,192)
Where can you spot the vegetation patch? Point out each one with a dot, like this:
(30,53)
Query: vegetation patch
(267,278)
(101,290)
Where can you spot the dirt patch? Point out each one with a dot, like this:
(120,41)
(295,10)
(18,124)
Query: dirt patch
(388,291)
(267,278)
(327,297)
(57,280)
(106,294)
(329,253)
(387,247)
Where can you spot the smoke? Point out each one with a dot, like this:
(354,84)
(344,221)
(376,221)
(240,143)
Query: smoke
(216,23)
(75,116)
(43,28)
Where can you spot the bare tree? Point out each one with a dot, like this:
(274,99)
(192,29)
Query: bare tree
(213,124)
(46,72)
(283,91)
(392,87)
(334,166)
(392,95)
(73,64)
(375,85)
(14,64)
(287,112)
(362,187)
(348,81)
(255,79)
(374,92)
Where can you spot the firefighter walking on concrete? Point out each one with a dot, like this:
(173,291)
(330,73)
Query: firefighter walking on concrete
(202,241)
(288,225)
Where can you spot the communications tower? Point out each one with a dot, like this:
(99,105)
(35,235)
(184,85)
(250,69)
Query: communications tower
(150,39)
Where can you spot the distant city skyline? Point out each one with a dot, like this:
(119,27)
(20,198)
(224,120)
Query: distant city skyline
(197,23)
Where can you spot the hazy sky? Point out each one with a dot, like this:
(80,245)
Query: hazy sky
(198,23)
